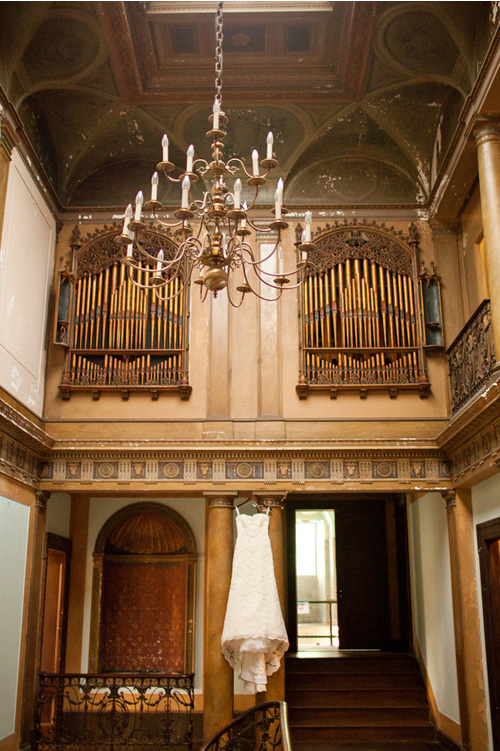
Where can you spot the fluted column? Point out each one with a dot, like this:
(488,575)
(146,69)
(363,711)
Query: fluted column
(471,694)
(276,682)
(488,157)
(217,673)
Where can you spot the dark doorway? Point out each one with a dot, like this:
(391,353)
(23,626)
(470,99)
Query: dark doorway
(55,609)
(488,535)
(368,602)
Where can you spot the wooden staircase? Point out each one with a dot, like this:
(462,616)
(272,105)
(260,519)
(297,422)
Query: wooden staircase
(357,698)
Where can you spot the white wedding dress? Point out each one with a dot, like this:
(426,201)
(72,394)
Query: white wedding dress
(254,637)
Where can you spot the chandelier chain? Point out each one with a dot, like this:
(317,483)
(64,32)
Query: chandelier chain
(218,53)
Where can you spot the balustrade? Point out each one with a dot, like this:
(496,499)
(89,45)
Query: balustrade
(114,712)
(471,357)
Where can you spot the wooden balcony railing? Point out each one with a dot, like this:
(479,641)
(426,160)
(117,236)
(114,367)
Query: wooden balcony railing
(471,357)
(261,728)
(114,712)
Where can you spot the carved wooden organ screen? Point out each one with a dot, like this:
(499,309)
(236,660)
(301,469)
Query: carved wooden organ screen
(119,336)
(360,324)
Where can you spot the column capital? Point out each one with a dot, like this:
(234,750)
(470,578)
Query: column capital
(271,499)
(41,498)
(450,498)
(218,500)
(486,130)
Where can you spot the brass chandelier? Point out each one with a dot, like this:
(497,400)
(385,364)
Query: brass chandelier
(219,245)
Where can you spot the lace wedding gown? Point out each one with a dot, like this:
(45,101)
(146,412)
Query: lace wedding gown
(254,637)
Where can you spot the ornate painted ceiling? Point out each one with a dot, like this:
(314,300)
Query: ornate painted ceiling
(363,98)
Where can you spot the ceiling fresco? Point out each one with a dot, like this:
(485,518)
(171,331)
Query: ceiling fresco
(363,97)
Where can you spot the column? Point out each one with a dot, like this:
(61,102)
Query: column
(276,681)
(471,693)
(488,157)
(78,532)
(35,607)
(217,673)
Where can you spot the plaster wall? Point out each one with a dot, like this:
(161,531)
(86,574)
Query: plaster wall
(431,599)
(14,523)
(58,514)
(26,260)
(473,269)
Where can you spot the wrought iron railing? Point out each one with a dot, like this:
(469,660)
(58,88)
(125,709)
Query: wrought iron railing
(471,357)
(261,728)
(114,712)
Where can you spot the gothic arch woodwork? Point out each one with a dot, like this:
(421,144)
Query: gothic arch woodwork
(117,335)
(143,592)
(359,308)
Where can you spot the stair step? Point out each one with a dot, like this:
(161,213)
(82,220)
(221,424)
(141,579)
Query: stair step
(353,680)
(379,664)
(309,736)
(361,697)
(358,717)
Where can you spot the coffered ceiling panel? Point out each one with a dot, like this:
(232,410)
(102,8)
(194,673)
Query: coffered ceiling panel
(363,98)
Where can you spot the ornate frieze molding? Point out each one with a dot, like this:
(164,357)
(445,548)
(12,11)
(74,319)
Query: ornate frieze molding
(18,461)
(408,469)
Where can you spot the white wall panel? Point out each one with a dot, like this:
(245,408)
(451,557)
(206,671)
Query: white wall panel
(26,263)
(14,523)
(432,599)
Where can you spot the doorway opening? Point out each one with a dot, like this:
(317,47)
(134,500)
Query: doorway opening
(488,535)
(348,581)
(316,579)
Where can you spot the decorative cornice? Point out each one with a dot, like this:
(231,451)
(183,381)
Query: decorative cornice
(20,427)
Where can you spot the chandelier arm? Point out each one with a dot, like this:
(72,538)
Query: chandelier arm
(254,292)
(163,223)
(235,305)
(165,298)
(167,263)
(258,272)
(151,286)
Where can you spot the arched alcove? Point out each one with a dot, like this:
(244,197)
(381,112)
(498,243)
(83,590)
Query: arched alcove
(143,592)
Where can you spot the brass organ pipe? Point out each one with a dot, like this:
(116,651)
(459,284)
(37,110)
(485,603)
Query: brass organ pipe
(321,309)
(334,305)
(343,322)
(397,318)
(76,323)
(390,309)
(328,312)
(383,305)
(316,310)
(401,311)
(92,310)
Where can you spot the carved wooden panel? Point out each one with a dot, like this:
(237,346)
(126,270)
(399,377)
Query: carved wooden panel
(119,335)
(360,321)
(143,616)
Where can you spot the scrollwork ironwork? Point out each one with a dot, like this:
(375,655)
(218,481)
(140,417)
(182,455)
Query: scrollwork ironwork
(261,728)
(471,357)
(109,712)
